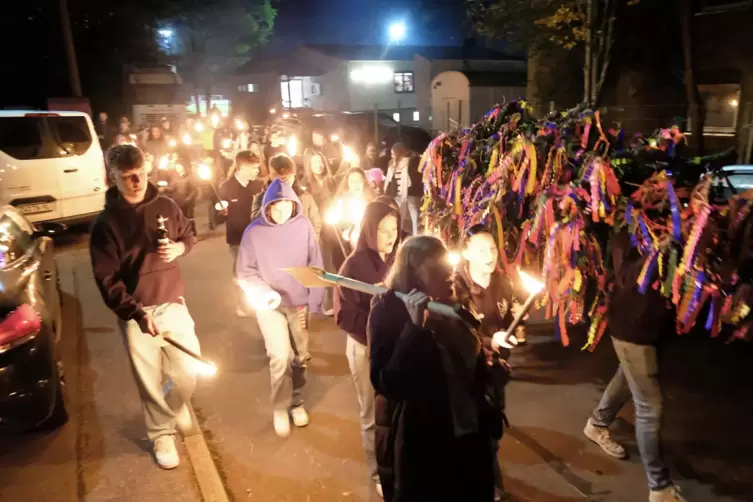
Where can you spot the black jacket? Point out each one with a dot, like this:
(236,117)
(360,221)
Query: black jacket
(418,456)
(364,264)
(240,200)
(123,247)
(633,317)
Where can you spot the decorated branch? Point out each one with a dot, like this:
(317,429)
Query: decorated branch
(554,189)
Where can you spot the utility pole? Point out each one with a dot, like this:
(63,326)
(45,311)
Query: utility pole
(70,50)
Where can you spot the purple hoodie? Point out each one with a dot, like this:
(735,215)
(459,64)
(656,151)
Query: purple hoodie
(267,247)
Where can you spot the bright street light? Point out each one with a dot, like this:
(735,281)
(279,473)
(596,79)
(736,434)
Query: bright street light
(166,33)
(397,31)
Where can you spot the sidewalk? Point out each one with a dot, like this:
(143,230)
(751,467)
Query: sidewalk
(115,461)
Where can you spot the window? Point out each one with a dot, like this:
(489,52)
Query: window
(416,116)
(404,82)
(248,88)
(292,93)
(20,137)
(315,90)
(722,102)
(72,133)
(396,116)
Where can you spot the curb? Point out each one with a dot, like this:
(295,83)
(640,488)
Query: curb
(207,476)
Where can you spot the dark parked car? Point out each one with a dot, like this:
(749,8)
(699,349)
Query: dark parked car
(32,381)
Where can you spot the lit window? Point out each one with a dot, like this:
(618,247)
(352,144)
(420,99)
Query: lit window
(722,103)
(292,93)
(416,116)
(404,82)
(396,117)
(248,88)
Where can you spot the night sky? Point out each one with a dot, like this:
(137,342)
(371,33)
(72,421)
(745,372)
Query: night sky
(33,64)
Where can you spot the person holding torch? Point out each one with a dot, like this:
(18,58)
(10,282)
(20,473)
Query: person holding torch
(134,244)
(369,263)
(280,238)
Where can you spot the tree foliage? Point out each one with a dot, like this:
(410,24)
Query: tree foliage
(209,37)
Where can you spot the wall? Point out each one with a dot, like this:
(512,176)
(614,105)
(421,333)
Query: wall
(451,100)
(382,95)
(484,98)
(423,78)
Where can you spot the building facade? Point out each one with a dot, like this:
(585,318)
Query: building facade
(395,80)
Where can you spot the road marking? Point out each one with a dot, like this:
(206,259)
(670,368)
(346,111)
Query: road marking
(204,468)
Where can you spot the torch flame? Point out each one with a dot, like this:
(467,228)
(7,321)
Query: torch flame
(530,283)
(205,172)
(334,214)
(187,139)
(454,258)
(292,146)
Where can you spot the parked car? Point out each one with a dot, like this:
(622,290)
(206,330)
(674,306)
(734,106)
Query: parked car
(51,166)
(32,378)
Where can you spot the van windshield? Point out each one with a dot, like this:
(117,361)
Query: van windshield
(31,138)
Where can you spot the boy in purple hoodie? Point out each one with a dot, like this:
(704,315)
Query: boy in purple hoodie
(282,237)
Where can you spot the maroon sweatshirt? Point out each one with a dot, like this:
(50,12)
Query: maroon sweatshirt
(364,264)
(123,248)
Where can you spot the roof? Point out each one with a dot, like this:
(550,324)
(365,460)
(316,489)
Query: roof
(22,113)
(496,79)
(292,64)
(408,52)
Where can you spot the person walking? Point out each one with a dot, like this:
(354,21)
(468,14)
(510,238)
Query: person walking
(282,237)
(237,195)
(369,263)
(435,421)
(403,182)
(133,247)
(638,322)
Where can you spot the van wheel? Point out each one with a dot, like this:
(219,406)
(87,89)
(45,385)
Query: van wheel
(59,416)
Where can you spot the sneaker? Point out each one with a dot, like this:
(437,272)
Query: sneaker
(329,312)
(300,417)
(501,495)
(378,487)
(165,452)
(669,494)
(601,436)
(281,422)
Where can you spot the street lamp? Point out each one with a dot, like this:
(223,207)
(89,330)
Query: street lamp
(397,31)
(165,33)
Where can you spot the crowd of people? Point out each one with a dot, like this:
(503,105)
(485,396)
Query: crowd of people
(430,389)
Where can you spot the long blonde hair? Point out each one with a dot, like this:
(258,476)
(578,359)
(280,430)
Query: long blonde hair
(414,252)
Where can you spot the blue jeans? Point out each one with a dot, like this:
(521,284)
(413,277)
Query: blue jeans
(637,377)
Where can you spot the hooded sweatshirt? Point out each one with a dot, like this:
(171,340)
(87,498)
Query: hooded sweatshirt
(123,248)
(268,247)
(364,264)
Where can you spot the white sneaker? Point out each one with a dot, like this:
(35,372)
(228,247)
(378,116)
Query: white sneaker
(165,452)
(379,490)
(300,417)
(601,436)
(281,421)
(329,312)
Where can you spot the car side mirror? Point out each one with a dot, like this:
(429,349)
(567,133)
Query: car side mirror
(49,229)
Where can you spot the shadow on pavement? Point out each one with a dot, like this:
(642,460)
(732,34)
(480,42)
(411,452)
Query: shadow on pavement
(57,457)
(707,387)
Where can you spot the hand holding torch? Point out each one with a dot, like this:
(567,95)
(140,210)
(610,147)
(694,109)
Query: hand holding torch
(534,288)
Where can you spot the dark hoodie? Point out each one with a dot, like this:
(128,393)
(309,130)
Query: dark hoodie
(267,248)
(123,248)
(364,264)
(493,303)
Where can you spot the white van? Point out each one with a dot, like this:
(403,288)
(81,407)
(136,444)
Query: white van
(51,166)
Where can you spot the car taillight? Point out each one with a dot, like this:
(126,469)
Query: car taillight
(21,322)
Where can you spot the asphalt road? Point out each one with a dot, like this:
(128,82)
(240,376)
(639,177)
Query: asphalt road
(101,455)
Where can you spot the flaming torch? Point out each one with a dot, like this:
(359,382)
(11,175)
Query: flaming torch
(534,287)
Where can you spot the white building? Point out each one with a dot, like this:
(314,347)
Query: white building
(410,83)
